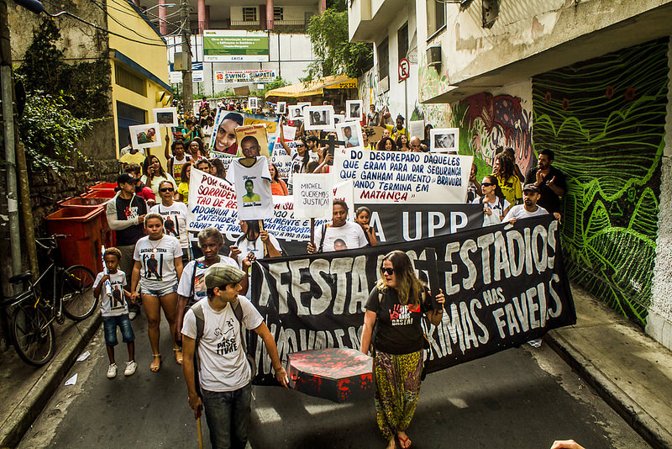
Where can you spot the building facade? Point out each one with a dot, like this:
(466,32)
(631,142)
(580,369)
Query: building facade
(590,80)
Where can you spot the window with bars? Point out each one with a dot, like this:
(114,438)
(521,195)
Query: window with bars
(249,14)
(129,80)
(278,14)
(383,51)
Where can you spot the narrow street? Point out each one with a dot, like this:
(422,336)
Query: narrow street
(521,398)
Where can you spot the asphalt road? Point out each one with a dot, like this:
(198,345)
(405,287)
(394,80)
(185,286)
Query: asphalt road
(520,398)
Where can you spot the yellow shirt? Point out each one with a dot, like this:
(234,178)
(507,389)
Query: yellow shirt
(137,158)
(183,189)
(511,189)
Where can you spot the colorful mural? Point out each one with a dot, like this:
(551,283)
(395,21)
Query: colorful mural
(487,122)
(605,120)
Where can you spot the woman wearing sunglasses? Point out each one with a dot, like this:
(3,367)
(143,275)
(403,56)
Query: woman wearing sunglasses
(174,215)
(395,308)
(495,206)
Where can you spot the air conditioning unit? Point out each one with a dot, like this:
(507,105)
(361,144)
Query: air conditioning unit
(434,56)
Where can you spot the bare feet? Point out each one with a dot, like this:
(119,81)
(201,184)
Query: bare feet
(155,366)
(392,444)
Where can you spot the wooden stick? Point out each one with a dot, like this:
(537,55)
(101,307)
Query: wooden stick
(199,432)
(312,231)
(261,225)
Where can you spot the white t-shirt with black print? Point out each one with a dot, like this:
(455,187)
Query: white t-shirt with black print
(116,304)
(200,291)
(223,364)
(157,261)
(174,221)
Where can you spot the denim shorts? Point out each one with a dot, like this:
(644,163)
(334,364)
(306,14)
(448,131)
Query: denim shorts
(160,292)
(110,324)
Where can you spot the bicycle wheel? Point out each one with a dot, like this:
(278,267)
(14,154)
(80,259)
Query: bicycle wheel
(77,292)
(33,334)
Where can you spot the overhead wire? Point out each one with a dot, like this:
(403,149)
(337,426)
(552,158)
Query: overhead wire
(102,8)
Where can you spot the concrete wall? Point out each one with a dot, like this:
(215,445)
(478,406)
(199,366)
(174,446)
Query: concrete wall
(659,323)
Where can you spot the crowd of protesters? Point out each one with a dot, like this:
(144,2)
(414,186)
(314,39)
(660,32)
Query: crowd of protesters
(199,289)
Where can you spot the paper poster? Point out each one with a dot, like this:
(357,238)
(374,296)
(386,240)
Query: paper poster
(252,140)
(313,195)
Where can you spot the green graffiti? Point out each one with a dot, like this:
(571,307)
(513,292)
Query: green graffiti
(605,120)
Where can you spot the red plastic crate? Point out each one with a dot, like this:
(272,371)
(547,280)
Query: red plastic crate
(104,193)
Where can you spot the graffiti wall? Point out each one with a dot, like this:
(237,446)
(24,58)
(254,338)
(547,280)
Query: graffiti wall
(605,120)
(488,121)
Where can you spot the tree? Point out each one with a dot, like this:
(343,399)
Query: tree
(334,53)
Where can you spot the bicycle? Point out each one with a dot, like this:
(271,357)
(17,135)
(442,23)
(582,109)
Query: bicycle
(33,313)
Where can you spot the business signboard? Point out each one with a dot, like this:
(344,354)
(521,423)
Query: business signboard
(235,46)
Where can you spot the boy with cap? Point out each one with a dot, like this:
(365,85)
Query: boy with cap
(223,371)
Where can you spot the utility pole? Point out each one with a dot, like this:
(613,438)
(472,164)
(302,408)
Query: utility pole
(9,138)
(187,86)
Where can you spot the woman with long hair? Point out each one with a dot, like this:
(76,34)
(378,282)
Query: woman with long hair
(495,206)
(395,307)
(503,169)
(386,144)
(218,168)
(402,143)
(278,186)
(154,174)
(157,270)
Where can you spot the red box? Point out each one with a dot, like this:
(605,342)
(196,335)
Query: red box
(337,374)
(104,193)
(79,201)
(84,227)
(104,186)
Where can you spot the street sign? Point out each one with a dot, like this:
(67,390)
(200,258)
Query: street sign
(404,69)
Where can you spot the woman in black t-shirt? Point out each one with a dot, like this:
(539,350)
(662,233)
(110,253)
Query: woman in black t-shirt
(395,307)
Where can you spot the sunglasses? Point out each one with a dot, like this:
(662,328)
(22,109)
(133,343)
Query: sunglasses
(300,145)
(487,184)
(167,189)
(387,271)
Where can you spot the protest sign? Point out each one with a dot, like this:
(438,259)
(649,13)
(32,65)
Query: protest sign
(165,116)
(226,159)
(421,221)
(417,128)
(373,133)
(251,135)
(289,132)
(283,163)
(251,119)
(445,140)
(252,182)
(224,132)
(504,285)
(313,195)
(145,136)
(404,177)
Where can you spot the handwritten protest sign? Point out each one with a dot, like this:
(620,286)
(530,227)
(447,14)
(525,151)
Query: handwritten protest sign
(224,157)
(504,285)
(312,195)
(283,163)
(403,177)
(250,119)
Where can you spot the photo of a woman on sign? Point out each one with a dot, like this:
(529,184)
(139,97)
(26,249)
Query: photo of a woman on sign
(225,139)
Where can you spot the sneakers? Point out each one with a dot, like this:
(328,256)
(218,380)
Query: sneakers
(132,314)
(112,371)
(130,368)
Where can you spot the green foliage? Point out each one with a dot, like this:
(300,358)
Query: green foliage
(63,100)
(334,54)
(50,133)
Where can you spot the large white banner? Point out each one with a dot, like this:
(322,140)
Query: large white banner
(403,177)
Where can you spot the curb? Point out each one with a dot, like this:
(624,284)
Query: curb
(37,398)
(636,417)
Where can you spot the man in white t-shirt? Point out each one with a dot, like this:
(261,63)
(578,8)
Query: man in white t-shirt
(224,373)
(350,234)
(529,207)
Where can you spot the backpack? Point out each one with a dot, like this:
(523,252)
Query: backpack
(200,325)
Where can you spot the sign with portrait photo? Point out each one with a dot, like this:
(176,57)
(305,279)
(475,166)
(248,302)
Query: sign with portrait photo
(166,116)
(444,140)
(350,133)
(145,136)
(252,140)
(353,110)
(319,118)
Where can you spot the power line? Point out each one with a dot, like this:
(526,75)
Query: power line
(122,25)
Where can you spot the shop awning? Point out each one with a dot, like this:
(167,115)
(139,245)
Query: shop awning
(314,88)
